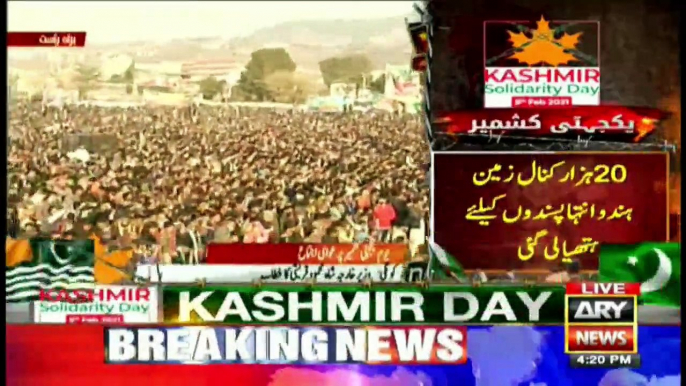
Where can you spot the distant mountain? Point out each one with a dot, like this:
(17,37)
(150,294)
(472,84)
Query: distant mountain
(327,32)
(310,41)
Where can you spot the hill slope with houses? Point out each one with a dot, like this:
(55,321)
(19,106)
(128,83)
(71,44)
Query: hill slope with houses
(309,42)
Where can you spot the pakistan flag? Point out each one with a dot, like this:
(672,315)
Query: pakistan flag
(657,266)
(443,265)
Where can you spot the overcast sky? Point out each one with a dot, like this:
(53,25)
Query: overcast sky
(113,21)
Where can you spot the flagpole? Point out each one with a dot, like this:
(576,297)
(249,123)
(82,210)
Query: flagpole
(158,286)
(429,262)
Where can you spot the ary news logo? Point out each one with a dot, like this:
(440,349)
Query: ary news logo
(541,64)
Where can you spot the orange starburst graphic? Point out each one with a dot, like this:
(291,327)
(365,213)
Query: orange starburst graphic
(543,47)
(645,126)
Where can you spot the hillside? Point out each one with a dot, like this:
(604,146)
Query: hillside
(309,42)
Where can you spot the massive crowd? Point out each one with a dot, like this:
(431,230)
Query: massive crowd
(166,181)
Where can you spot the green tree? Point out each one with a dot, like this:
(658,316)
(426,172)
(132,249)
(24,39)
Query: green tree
(130,73)
(346,69)
(126,77)
(86,77)
(378,84)
(289,87)
(211,87)
(264,62)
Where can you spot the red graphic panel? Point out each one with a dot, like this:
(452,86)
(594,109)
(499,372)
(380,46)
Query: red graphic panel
(567,204)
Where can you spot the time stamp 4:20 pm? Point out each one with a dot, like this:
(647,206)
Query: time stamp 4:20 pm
(631,361)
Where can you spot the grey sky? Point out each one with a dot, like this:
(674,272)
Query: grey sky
(113,21)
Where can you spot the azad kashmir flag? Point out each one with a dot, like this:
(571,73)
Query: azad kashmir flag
(443,265)
(657,266)
(43,263)
(32,265)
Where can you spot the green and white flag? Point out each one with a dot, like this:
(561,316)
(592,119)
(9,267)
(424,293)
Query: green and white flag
(443,265)
(49,265)
(657,266)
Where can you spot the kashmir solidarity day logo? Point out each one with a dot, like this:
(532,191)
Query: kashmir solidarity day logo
(541,64)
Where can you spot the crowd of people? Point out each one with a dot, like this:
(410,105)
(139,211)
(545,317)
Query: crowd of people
(165,181)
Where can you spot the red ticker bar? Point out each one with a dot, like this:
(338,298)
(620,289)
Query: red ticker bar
(46,39)
(603,289)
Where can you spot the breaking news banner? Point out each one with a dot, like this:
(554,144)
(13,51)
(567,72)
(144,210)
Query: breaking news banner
(293,345)
(101,304)
(357,305)
(601,323)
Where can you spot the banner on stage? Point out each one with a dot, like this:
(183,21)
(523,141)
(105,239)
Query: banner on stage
(296,273)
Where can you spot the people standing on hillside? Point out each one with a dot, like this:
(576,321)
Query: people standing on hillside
(255,176)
